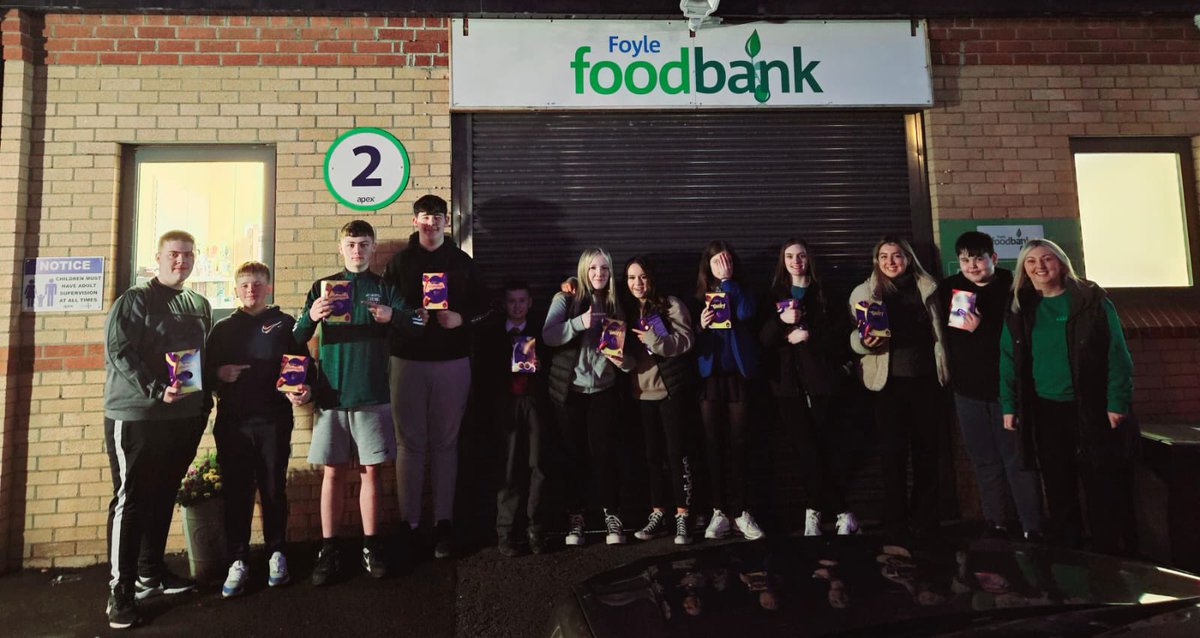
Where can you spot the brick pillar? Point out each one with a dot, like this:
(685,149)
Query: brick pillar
(18,29)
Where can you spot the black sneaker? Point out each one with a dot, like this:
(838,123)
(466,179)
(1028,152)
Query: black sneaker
(656,526)
(537,545)
(328,564)
(168,584)
(122,607)
(373,563)
(507,547)
(682,535)
(443,539)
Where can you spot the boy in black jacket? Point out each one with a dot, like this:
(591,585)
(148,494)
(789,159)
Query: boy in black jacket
(430,372)
(253,430)
(973,352)
(517,400)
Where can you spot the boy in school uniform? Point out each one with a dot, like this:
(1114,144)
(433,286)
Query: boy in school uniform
(512,388)
(354,418)
(253,430)
(979,294)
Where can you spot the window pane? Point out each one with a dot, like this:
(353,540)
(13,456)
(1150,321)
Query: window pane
(220,203)
(1132,219)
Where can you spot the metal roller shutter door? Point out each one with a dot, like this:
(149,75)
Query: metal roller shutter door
(539,187)
(535,188)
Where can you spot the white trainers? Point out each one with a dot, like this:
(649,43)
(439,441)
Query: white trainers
(278,573)
(746,525)
(718,526)
(847,525)
(812,522)
(616,529)
(574,531)
(235,582)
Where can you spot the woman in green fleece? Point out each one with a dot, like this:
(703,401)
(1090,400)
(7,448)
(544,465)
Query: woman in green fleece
(1066,382)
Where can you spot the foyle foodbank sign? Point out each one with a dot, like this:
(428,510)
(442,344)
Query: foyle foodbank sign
(641,77)
(504,64)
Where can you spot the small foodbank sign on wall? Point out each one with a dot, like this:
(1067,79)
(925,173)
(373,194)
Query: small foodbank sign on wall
(640,64)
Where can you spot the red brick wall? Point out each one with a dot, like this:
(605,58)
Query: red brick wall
(1008,97)
(1044,41)
(246,40)
(1166,378)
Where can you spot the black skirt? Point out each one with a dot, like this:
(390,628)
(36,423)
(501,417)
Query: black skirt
(727,387)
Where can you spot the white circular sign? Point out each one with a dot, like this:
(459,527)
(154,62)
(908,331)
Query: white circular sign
(366,168)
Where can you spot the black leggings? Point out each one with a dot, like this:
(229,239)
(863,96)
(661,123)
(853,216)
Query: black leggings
(588,426)
(819,449)
(1108,491)
(666,420)
(725,434)
(910,413)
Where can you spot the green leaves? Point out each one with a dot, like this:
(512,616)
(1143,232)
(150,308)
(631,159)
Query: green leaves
(753,45)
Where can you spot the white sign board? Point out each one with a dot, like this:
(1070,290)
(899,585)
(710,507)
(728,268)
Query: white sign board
(63,283)
(366,168)
(638,64)
(1009,239)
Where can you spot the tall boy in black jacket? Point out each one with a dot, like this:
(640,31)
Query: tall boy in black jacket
(430,372)
(253,430)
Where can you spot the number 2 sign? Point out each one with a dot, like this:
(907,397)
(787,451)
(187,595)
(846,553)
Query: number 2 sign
(366,168)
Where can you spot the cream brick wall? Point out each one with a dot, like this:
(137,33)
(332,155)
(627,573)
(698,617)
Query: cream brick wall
(90,112)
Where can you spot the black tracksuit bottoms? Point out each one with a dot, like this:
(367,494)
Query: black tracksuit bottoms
(147,459)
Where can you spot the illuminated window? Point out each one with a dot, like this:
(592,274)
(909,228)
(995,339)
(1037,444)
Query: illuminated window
(1136,211)
(224,196)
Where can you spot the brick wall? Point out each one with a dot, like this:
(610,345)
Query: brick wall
(293,82)
(1009,95)
(15,142)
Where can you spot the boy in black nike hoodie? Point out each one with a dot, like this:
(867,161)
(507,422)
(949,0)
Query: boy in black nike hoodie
(253,430)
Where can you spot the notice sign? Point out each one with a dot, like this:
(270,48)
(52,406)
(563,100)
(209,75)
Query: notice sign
(63,283)
(366,168)
(640,64)
(1009,239)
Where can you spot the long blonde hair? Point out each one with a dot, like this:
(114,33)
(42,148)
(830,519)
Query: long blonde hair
(583,287)
(1021,280)
(883,283)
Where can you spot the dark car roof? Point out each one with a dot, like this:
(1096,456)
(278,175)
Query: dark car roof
(816,586)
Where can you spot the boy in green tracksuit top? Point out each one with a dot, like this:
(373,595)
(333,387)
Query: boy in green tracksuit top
(353,413)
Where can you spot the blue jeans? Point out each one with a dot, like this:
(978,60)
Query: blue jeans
(997,463)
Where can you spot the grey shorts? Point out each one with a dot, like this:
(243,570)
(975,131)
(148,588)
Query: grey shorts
(364,433)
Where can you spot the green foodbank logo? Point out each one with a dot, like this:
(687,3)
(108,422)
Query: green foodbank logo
(691,71)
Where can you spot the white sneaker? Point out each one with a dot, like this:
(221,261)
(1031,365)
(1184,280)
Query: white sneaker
(574,531)
(278,573)
(235,582)
(718,526)
(616,529)
(812,522)
(847,525)
(746,525)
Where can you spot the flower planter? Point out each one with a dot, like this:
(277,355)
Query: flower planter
(204,530)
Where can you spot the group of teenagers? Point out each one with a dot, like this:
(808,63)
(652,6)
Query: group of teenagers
(1040,374)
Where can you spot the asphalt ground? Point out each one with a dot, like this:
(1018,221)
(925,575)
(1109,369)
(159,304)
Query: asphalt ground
(480,593)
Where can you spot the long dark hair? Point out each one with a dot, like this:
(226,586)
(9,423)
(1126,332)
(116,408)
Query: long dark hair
(781,282)
(656,303)
(705,280)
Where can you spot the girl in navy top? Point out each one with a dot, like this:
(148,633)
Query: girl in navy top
(727,356)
